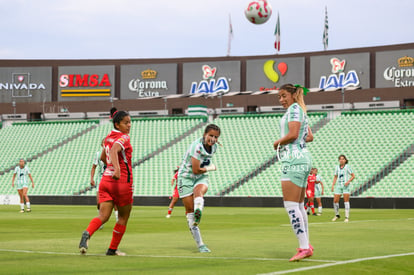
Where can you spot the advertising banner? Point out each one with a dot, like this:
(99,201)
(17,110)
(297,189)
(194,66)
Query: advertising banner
(394,69)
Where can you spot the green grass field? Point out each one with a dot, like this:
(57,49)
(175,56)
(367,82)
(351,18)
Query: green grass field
(242,240)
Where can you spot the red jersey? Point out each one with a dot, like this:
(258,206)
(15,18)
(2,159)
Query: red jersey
(311,183)
(124,156)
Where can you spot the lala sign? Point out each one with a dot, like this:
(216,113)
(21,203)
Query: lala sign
(209,84)
(398,75)
(338,79)
(147,86)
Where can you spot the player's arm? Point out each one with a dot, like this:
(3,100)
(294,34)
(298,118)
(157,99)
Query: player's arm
(321,183)
(197,170)
(30,176)
(103,157)
(113,155)
(292,135)
(334,181)
(351,179)
(93,174)
(14,176)
(172,181)
(309,137)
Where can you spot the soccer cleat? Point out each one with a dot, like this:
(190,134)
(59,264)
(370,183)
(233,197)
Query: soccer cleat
(336,217)
(311,248)
(22,211)
(114,252)
(168,216)
(302,254)
(314,214)
(346,220)
(28,210)
(319,214)
(83,245)
(197,216)
(203,249)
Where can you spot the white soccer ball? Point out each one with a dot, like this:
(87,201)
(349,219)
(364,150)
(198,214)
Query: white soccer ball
(258,12)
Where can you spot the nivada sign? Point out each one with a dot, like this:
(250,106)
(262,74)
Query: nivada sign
(25,84)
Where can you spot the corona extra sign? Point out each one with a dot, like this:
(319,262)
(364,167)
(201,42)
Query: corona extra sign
(403,76)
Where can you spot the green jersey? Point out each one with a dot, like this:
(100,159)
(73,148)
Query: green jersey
(344,174)
(295,148)
(318,187)
(21,174)
(99,164)
(197,151)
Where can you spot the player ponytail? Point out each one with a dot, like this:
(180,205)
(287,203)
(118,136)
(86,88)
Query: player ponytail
(297,92)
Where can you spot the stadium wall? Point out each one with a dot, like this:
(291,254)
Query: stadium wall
(370,203)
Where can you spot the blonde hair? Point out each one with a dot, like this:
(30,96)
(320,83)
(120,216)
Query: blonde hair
(299,94)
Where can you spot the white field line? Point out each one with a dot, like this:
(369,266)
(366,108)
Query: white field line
(337,263)
(158,256)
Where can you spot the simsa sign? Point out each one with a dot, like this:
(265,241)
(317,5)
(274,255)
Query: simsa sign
(86,83)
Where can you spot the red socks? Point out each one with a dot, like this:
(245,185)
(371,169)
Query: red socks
(117,234)
(94,225)
(312,207)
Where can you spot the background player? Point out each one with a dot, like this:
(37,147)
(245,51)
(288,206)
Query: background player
(175,195)
(341,185)
(193,181)
(310,192)
(296,163)
(22,172)
(116,187)
(319,190)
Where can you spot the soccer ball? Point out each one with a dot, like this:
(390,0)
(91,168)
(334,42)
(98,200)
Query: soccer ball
(258,12)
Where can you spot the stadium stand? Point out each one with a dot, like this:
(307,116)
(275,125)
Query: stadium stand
(61,158)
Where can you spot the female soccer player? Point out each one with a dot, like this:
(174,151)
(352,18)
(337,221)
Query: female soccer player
(116,186)
(310,192)
(319,190)
(23,172)
(193,182)
(175,195)
(343,176)
(296,163)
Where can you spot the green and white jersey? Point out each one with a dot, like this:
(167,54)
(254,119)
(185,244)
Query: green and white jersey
(344,174)
(294,113)
(99,164)
(21,174)
(197,151)
(318,186)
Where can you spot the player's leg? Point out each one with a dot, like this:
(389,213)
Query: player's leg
(199,190)
(194,229)
(119,229)
(319,201)
(336,206)
(171,206)
(26,198)
(347,206)
(105,210)
(20,192)
(312,205)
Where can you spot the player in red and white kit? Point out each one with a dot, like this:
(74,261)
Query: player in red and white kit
(175,195)
(116,186)
(310,192)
